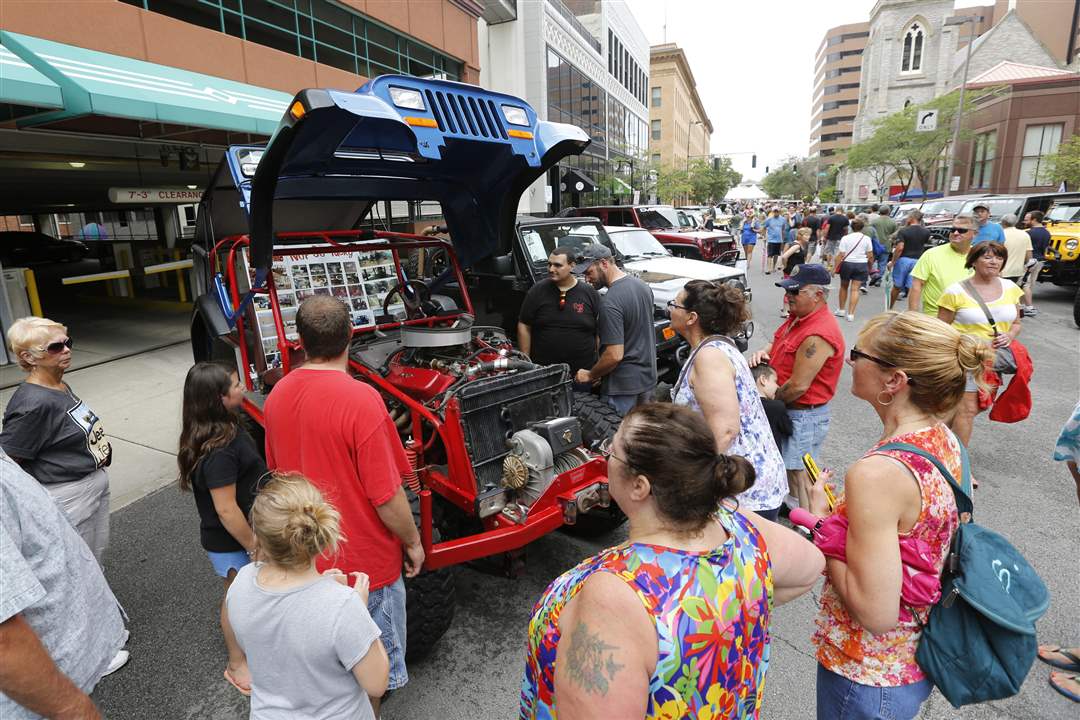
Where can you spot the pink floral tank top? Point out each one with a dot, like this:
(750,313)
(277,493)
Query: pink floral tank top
(888,660)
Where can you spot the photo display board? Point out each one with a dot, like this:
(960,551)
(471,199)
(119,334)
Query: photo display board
(360,279)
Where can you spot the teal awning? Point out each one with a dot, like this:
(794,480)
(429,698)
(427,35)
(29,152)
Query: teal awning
(97,83)
(21,84)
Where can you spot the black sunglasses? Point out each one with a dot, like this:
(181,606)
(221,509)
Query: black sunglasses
(562,299)
(793,290)
(960,230)
(673,304)
(855,353)
(58,347)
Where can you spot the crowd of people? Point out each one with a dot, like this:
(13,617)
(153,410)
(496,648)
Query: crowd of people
(313,541)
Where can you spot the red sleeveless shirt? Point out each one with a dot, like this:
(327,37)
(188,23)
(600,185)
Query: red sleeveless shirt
(786,343)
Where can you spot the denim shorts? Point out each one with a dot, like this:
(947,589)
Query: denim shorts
(808,431)
(841,699)
(223,562)
(901,272)
(387,608)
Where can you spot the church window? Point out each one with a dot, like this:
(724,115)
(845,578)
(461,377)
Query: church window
(911,60)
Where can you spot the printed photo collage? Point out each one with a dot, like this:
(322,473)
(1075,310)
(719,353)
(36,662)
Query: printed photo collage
(361,280)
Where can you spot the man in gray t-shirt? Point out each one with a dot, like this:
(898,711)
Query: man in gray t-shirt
(60,624)
(627,364)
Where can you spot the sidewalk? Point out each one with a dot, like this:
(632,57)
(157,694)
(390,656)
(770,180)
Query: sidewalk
(138,399)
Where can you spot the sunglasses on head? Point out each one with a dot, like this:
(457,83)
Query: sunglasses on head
(58,347)
(562,299)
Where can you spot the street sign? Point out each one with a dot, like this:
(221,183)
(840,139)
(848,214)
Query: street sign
(954,185)
(926,121)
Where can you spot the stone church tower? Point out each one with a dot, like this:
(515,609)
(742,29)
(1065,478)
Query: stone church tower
(908,60)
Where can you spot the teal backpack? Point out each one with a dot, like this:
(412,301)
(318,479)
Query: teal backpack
(978,643)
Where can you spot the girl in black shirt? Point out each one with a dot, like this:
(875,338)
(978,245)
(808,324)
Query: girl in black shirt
(220,464)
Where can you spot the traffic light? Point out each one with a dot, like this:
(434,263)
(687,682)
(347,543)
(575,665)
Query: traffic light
(753,161)
(766,169)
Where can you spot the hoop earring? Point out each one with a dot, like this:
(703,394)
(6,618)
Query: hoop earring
(886,394)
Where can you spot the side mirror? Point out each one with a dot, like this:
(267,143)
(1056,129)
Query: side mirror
(503,264)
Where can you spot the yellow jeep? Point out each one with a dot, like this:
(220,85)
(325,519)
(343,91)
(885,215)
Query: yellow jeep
(1062,266)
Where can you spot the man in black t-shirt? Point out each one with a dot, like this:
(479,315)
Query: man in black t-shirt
(837,225)
(558,318)
(813,222)
(910,243)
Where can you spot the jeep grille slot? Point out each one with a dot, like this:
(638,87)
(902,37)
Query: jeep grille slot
(494,408)
(435,110)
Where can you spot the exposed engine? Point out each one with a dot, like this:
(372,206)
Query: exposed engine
(515,417)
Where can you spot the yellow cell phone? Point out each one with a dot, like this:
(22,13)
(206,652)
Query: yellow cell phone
(815,475)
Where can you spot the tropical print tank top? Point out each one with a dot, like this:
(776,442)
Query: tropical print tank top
(711,614)
(888,660)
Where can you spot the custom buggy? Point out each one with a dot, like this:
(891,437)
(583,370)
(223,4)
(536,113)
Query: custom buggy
(502,450)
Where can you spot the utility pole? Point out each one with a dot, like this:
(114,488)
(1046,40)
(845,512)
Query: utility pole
(963,19)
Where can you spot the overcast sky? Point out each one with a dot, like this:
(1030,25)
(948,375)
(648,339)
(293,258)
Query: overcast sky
(753,61)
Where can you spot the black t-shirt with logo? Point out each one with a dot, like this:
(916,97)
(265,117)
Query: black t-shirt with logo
(813,222)
(566,335)
(53,434)
(914,238)
(239,464)
(837,224)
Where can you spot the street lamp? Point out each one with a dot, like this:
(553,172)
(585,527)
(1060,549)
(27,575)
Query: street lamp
(960,20)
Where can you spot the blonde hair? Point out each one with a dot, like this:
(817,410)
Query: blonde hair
(802,233)
(936,357)
(29,335)
(293,522)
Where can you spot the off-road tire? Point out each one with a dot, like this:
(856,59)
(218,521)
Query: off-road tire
(599,421)
(1076,308)
(430,598)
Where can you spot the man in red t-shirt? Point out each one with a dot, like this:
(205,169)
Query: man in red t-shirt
(807,353)
(335,430)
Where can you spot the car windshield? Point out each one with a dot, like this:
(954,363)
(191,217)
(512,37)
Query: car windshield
(686,219)
(998,207)
(659,218)
(542,239)
(1064,213)
(939,207)
(637,244)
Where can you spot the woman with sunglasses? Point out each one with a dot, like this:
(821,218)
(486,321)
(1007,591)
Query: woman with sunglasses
(221,466)
(962,306)
(674,622)
(911,369)
(716,381)
(54,435)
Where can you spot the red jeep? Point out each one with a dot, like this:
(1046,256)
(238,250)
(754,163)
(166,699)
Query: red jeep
(663,222)
(502,450)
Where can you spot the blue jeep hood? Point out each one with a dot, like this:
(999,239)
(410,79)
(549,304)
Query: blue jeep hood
(358,148)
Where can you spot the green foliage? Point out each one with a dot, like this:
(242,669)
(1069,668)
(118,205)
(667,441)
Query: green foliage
(672,184)
(1065,163)
(795,178)
(709,183)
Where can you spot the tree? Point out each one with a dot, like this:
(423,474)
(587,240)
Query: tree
(795,178)
(671,184)
(1064,165)
(711,180)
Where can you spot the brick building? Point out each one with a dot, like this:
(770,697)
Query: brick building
(679,127)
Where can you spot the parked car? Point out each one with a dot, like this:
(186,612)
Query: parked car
(663,222)
(999,205)
(498,286)
(1062,257)
(19,247)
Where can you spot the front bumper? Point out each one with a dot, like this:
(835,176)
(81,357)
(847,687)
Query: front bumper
(1060,272)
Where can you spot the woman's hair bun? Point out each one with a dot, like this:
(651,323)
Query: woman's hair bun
(292,521)
(733,475)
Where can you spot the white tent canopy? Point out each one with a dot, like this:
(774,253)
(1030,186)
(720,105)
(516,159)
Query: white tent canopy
(746,191)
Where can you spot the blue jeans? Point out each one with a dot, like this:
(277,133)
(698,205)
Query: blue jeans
(808,431)
(841,699)
(387,608)
(624,403)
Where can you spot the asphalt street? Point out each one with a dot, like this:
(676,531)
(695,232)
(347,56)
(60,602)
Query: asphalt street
(162,577)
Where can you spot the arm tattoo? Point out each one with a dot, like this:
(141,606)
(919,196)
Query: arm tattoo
(810,351)
(591,665)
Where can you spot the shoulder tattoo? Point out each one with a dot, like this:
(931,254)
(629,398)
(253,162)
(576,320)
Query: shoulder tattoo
(591,663)
(811,350)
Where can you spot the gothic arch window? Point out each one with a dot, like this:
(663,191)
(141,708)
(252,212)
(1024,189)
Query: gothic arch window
(911,60)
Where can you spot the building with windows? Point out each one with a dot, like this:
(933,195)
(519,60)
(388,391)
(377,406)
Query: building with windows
(1013,131)
(914,54)
(679,127)
(837,69)
(582,62)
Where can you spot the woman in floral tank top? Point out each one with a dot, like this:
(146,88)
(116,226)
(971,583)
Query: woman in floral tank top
(673,623)
(912,369)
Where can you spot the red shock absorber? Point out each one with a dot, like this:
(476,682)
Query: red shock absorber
(410,477)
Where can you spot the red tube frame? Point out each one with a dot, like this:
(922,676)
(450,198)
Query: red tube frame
(458,484)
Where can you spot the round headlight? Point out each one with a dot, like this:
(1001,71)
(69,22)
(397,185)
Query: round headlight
(1072,244)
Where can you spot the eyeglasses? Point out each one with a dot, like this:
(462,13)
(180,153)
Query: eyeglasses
(58,347)
(607,449)
(673,304)
(960,230)
(855,353)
